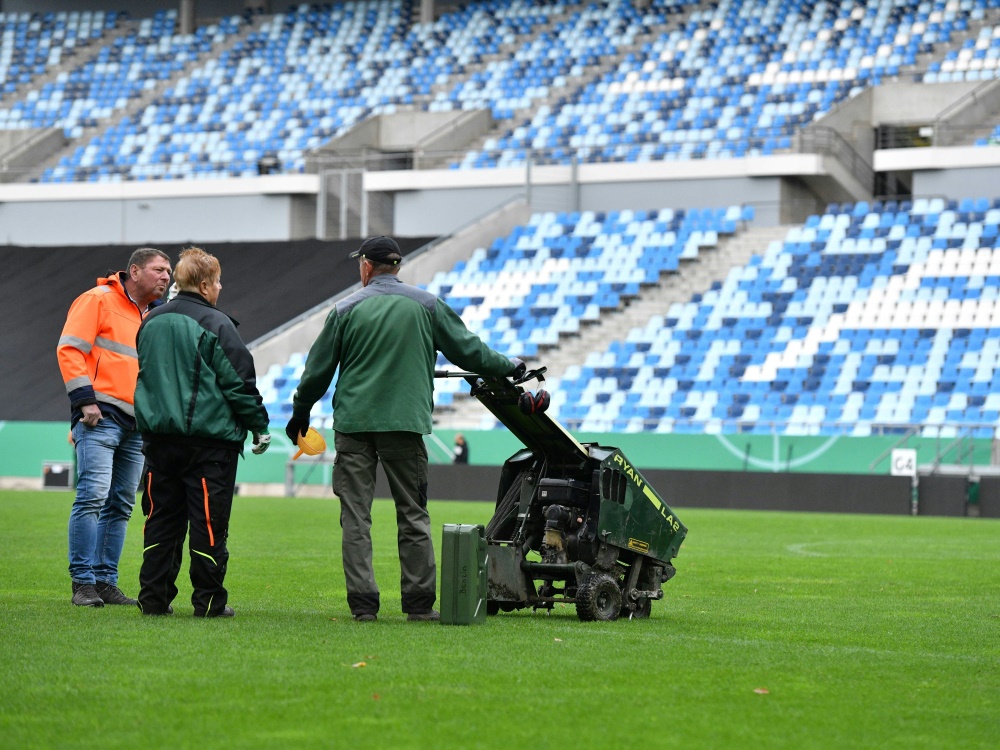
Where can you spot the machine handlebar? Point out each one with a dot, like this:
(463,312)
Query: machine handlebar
(536,374)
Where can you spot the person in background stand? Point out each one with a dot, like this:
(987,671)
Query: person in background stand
(461,449)
(385,338)
(99,366)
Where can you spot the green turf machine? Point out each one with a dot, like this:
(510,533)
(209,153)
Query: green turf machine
(575,523)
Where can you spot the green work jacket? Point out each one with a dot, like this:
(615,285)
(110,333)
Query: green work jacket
(196,377)
(385,339)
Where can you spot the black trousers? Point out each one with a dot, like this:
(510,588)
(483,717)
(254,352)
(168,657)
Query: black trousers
(186,487)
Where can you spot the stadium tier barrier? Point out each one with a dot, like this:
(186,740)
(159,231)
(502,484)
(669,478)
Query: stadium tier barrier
(26,446)
(828,478)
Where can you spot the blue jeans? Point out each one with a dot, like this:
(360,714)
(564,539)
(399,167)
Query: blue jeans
(109,465)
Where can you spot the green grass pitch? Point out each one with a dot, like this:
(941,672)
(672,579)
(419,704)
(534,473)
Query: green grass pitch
(780,630)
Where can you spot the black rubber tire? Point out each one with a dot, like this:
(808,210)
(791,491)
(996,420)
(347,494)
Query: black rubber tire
(492,608)
(643,607)
(599,598)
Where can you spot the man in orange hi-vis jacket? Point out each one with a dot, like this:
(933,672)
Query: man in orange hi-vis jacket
(99,364)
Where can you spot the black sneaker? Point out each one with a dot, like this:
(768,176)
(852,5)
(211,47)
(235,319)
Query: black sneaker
(432,616)
(111,594)
(168,611)
(227,612)
(365,617)
(85,595)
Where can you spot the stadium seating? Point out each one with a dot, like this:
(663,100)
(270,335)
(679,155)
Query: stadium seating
(104,86)
(33,44)
(547,278)
(993,138)
(868,318)
(680,80)
(738,79)
(304,77)
(977,59)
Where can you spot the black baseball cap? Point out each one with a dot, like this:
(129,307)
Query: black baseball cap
(379,249)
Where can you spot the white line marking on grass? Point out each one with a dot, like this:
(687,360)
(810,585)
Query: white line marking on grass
(878,547)
(800,549)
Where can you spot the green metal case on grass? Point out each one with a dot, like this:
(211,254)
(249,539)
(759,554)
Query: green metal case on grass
(463,574)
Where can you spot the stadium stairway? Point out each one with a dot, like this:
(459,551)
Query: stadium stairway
(695,276)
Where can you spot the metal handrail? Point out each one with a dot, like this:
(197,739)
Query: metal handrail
(888,451)
(820,139)
(445,127)
(942,453)
(973,98)
(963,101)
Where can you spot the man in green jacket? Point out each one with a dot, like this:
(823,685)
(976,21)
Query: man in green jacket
(385,338)
(195,400)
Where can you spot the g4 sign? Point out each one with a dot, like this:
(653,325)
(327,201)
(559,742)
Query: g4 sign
(904,462)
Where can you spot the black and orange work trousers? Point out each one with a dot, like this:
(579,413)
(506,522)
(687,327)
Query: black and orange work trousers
(186,486)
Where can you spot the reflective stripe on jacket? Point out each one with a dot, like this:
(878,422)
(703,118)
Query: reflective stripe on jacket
(96,351)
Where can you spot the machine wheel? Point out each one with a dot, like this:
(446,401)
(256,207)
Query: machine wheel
(598,598)
(643,607)
(492,608)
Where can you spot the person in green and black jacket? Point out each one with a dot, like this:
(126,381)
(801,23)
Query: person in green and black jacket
(385,338)
(195,400)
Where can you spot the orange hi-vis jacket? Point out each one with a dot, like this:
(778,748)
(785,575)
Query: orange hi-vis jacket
(96,351)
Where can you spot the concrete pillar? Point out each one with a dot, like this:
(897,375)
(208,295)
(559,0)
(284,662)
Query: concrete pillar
(426,11)
(186,16)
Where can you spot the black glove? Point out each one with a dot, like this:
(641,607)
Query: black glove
(519,368)
(296,426)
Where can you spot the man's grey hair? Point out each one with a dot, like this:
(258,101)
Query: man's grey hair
(144,255)
(380,268)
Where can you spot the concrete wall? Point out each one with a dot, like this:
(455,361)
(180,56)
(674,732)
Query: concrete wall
(432,212)
(10,139)
(958,183)
(783,188)
(798,203)
(853,119)
(764,192)
(425,212)
(272,208)
(20,150)
(910,102)
(136,221)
